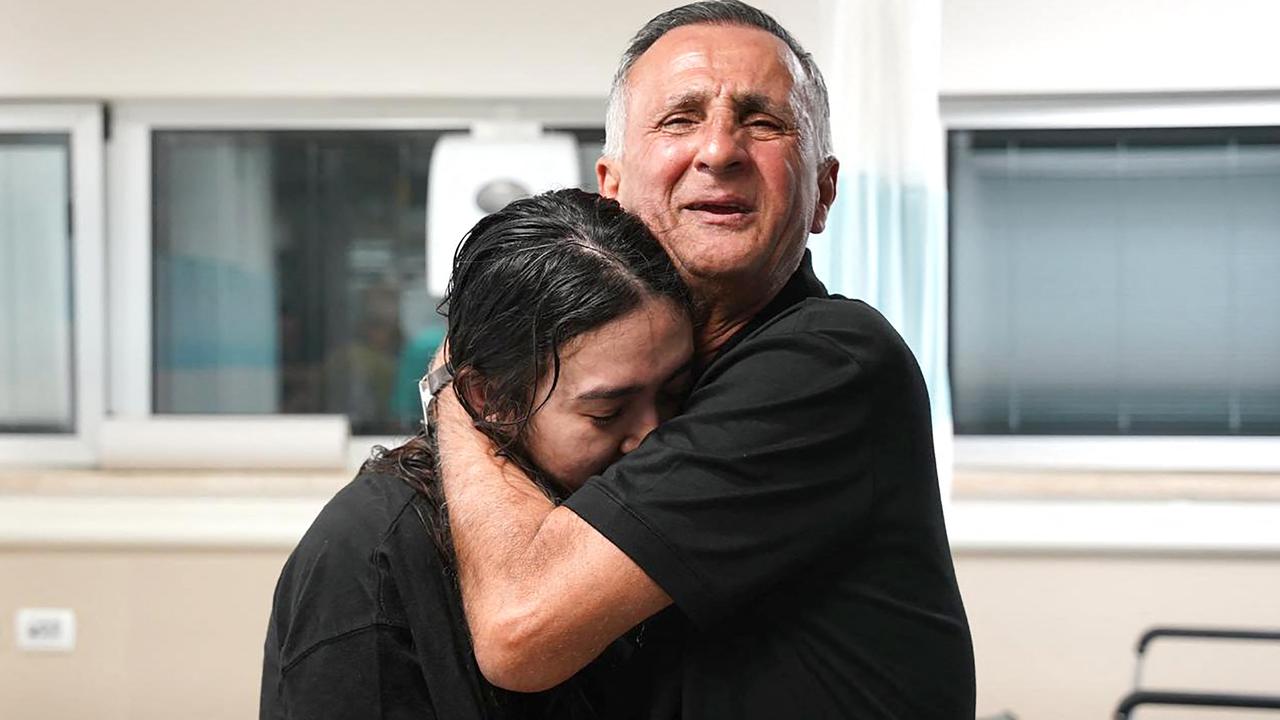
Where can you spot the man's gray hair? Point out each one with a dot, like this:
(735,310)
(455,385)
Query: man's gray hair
(809,92)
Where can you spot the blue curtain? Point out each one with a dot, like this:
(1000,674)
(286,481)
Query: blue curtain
(886,237)
(886,243)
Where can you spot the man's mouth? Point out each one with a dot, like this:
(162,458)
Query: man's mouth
(720,207)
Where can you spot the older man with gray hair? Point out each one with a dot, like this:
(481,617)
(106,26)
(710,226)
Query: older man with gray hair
(791,512)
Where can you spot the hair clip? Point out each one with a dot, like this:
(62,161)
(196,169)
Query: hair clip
(430,385)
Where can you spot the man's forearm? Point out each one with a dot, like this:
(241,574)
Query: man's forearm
(534,615)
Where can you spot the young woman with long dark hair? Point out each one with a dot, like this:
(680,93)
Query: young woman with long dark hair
(569,340)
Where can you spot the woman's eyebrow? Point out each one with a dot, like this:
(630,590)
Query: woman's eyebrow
(608,393)
(613,393)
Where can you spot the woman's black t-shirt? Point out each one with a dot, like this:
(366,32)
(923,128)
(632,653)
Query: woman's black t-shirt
(367,622)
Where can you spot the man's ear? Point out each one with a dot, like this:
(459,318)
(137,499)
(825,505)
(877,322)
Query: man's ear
(826,195)
(608,177)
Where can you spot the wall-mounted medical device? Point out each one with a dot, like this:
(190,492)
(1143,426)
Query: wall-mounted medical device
(476,173)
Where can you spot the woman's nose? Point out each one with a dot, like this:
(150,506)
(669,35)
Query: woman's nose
(644,424)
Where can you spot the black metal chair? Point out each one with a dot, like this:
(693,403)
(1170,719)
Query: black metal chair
(1195,699)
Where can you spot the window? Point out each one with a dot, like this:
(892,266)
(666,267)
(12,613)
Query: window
(282,264)
(1116,281)
(289,273)
(1111,301)
(35,282)
(51,385)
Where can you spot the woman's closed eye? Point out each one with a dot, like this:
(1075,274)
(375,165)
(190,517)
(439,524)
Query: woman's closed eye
(603,419)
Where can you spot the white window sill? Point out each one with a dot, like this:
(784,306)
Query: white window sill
(178,522)
(147,508)
(273,510)
(1114,526)
(1119,454)
(1099,511)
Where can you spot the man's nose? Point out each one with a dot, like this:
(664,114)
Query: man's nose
(644,424)
(720,148)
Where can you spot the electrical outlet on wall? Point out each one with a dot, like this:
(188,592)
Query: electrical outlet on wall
(45,629)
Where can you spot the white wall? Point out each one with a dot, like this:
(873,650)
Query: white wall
(170,627)
(567,48)
(1099,46)
(1054,634)
(274,48)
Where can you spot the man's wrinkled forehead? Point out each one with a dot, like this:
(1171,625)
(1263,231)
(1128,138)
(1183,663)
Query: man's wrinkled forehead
(747,52)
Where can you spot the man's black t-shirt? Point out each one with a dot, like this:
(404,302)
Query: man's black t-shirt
(367,622)
(792,513)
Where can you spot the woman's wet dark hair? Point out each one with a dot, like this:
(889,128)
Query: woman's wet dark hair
(533,276)
(526,280)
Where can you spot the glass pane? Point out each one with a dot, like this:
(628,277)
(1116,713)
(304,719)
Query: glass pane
(590,147)
(290,273)
(1113,282)
(36,393)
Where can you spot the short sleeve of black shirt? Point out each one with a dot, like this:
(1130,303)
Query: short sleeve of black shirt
(768,467)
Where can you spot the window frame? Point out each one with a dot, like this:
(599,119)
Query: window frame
(83,123)
(130,201)
(1105,453)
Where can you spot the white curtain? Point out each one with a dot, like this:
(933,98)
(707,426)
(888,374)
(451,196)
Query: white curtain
(886,242)
(35,287)
(218,332)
